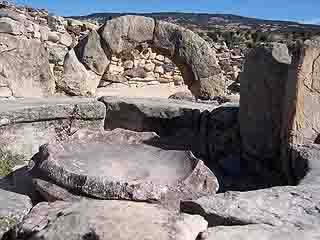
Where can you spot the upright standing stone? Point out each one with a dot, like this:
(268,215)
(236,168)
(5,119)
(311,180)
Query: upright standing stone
(263,84)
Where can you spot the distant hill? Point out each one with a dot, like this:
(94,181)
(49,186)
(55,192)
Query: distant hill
(202,19)
(232,29)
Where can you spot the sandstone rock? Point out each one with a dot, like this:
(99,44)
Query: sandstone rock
(74,23)
(128,64)
(264,80)
(8,25)
(56,53)
(53,37)
(129,177)
(66,39)
(152,56)
(159,70)
(91,54)
(29,123)
(25,67)
(200,68)
(109,219)
(13,207)
(44,32)
(126,33)
(260,231)
(135,72)
(114,69)
(160,58)
(305,163)
(52,192)
(5,92)
(279,206)
(301,101)
(76,80)
(186,96)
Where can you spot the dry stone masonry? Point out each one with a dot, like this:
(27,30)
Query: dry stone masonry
(141,68)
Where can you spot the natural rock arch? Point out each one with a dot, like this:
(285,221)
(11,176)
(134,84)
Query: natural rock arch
(194,57)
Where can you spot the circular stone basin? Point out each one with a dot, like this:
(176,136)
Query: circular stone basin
(125,162)
(101,165)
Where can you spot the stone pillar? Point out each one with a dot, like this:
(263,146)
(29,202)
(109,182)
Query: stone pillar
(301,112)
(263,85)
(279,106)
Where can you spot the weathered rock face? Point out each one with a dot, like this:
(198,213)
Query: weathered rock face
(91,54)
(25,68)
(77,80)
(13,207)
(149,174)
(109,219)
(211,133)
(194,57)
(263,85)
(27,124)
(289,206)
(288,106)
(260,231)
(302,99)
(126,33)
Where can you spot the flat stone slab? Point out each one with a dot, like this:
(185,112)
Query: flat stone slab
(26,124)
(94,219)
(288,206)
(13,207)
(162,116)
(99,165)
(47,109)
(261,232)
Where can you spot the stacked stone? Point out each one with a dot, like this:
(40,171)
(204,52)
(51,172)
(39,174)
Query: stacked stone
(141,68)
(230,61)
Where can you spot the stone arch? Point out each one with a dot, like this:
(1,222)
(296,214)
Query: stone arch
(193,56)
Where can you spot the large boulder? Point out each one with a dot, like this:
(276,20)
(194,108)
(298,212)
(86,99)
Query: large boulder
(125,33)
(261,232)
(113,172)
(76,79)
(195,58)
(24,67)
(10,26)
(295,207)
(92,219)
(263,84)
(91,54)
(288,109)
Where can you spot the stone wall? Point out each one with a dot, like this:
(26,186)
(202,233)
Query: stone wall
(139,68)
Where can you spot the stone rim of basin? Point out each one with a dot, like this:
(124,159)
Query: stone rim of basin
(198,182)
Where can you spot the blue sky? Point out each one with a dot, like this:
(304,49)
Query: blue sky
(297,10)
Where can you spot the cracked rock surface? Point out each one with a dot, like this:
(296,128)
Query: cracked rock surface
(96,219)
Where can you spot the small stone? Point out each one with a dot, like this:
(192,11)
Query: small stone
(142,63)
(159,69)
(115,69)
(150,67)
(167,60)
(128,64)
(160,58)
(66,39)
(152,56)
(114,59)
(53,37)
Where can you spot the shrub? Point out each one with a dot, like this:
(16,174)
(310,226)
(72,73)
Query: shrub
(8,160)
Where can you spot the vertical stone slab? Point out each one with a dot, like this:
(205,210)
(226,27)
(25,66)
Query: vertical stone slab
(263,85)
(301,111)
